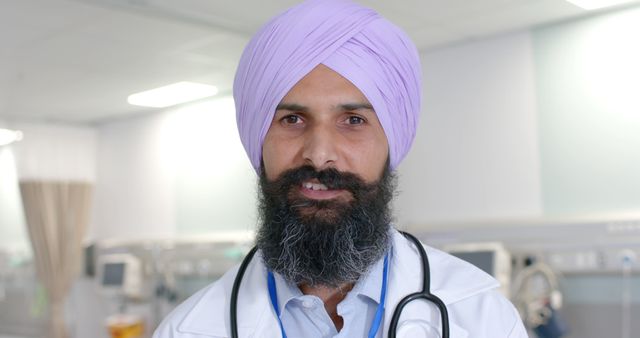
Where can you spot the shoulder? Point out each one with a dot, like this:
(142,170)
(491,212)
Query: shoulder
(488,314)
(200,312)
(206,313)
(472,298)
(451,278)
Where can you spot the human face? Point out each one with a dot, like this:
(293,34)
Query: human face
(326,122)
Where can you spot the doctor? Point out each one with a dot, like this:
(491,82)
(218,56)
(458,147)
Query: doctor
(328,97)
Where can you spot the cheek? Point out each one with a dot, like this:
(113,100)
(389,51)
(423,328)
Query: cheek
(371,158)
(275,156)
(268,158)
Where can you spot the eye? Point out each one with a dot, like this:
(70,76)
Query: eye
(355,120)
(291,119)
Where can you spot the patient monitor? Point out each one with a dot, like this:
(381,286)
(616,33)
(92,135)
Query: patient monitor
(120,275)
(491,257)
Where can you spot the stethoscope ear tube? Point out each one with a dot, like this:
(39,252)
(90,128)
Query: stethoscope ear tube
(233,308)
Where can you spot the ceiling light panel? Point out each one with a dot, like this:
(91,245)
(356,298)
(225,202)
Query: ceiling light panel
(8,136)
(597,4)
(172,94)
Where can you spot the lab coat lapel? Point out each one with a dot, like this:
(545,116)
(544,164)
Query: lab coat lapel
(419,318)
(256,318)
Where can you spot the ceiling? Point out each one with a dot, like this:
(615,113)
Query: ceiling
(77,60)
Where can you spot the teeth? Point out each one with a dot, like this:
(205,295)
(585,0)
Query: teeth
(315,186)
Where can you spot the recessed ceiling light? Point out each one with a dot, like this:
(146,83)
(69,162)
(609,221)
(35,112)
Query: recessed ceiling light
(172,94)
(597,4)
(8,136)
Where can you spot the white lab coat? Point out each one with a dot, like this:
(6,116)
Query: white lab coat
(476,309)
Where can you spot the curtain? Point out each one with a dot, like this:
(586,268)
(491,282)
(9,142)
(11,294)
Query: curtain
(57,214)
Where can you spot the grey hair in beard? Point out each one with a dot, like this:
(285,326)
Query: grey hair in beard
(326,242)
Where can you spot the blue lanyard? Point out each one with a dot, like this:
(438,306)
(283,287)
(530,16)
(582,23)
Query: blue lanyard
(377,319)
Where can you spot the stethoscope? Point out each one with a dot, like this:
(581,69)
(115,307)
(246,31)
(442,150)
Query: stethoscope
(425,294)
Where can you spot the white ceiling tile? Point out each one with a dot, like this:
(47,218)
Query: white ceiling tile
(237,16)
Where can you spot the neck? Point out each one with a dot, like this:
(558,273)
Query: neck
(331,297)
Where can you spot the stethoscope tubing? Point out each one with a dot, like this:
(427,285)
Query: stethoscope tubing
(425,293)
(233,307)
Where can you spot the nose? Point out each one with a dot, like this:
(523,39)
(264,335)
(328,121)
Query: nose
(320,148)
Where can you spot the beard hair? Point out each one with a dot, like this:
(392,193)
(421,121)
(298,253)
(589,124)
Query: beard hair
(323,242)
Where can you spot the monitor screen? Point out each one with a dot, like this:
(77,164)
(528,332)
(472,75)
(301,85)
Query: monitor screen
(485,260)
(113,274)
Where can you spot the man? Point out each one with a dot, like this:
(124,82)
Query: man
(328,97)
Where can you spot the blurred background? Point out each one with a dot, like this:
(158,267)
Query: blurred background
(115,207)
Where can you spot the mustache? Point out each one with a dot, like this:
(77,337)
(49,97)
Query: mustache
(332,178)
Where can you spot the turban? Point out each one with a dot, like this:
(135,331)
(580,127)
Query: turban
(354,41)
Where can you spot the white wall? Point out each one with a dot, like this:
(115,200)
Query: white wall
(214,180)
(178,172)
(588,81)
(475,156)
(13,237)
(133,190)
(52,151)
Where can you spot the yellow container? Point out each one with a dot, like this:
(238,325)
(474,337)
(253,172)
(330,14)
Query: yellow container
(125,326)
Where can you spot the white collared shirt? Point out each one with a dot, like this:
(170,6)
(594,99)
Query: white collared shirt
(305,315)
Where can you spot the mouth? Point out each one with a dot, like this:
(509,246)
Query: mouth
(315,190)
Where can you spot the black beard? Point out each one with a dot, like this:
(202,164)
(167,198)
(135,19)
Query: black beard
(327,242)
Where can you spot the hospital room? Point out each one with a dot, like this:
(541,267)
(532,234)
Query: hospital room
(319,168)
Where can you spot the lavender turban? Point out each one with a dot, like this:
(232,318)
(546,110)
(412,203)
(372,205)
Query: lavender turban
(356,42)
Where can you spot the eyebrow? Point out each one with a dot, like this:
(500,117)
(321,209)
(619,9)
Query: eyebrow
(303,109)
(292,107)
(356,106)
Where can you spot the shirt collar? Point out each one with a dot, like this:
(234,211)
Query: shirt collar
(369,286)
(286,291)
